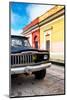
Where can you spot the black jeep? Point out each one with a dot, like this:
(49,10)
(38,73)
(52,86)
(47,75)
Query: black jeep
(25,59)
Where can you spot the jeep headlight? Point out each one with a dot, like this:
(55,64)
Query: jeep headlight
(45,57)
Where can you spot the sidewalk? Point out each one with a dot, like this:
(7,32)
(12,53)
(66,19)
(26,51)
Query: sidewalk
(58,63)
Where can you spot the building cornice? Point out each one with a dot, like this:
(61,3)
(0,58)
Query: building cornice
(52,17)
(30,29)
(45,21)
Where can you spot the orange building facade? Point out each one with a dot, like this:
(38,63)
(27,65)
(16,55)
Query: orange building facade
(32,31)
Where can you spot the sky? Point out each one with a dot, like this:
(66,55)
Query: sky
(23,13)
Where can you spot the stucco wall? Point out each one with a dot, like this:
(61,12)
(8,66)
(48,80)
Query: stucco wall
(56,38)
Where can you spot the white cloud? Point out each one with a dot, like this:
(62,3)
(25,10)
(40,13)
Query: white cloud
(16,32)
(36,10)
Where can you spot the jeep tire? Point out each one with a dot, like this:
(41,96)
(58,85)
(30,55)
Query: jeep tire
(40,74)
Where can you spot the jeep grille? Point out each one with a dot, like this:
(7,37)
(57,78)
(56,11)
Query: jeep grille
(22,59)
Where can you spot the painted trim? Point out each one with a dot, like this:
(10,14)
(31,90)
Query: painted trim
(47,20)
(51,12)
(30,29)
(50,18)
(51,23)
(49,39)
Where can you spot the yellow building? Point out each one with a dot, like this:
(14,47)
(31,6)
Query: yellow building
(52,33)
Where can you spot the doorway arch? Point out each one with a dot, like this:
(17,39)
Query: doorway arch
(36,41)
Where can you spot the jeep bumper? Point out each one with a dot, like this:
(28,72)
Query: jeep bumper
(29,69)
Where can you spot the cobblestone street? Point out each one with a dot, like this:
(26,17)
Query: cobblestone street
(53,83)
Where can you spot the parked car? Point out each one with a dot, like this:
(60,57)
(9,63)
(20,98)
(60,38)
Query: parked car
(25,59)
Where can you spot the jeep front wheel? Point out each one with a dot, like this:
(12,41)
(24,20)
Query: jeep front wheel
(40,74)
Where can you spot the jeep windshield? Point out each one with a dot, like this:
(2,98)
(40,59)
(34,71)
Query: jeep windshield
(16,42)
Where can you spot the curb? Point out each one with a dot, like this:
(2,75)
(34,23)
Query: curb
(58,63)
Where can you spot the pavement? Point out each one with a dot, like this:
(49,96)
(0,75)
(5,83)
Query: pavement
(52,84)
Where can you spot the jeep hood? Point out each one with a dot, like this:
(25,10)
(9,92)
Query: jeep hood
(23,49)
